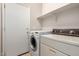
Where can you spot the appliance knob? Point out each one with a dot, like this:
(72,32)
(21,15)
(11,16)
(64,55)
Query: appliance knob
(71,32)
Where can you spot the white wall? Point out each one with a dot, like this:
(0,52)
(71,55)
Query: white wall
(65,19)
(35,11)
(68,18)
(48,7)
(49,22)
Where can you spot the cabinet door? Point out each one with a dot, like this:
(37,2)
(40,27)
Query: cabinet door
(44,50)
(48,51)
(48,7)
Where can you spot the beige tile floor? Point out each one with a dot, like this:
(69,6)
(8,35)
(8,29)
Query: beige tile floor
(27,54)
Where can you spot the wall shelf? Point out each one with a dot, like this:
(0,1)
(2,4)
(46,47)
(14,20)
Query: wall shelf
(70,5)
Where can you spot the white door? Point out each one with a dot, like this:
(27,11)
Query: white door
(16,23)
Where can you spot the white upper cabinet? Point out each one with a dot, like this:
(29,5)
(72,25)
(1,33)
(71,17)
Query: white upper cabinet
(48,7)
(54,9)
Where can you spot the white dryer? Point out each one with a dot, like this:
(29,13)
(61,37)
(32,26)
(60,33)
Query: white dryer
(35,41)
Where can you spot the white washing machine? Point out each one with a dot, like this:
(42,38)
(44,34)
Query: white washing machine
(35,41)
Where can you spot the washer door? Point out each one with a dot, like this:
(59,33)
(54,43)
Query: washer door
(33,43)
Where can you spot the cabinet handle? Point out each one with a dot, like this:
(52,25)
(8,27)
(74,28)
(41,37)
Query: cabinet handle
(52,50)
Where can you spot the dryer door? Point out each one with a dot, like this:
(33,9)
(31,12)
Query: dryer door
(33,43)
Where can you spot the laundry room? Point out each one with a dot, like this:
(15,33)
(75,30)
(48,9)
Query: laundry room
(39,29)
